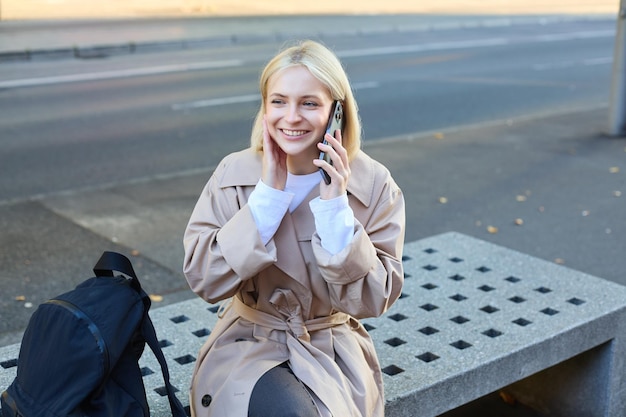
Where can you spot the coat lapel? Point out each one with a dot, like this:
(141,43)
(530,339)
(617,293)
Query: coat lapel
(296,227)
(289,257)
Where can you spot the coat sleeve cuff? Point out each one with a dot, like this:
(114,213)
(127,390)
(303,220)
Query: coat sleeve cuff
(353,262)
(242,247)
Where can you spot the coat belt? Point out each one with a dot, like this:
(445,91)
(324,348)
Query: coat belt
(292,321)
(334,391)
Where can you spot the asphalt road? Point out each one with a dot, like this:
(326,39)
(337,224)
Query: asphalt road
(480,126)
(185,110)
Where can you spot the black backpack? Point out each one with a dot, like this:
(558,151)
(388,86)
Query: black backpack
(80,351)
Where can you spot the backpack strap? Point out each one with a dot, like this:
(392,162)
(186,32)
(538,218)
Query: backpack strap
(150,335)
(9,408)
(113,261)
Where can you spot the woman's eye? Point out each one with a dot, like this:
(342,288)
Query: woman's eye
(310,104)
(277,101)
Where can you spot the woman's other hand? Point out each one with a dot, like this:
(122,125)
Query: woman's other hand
(274,172)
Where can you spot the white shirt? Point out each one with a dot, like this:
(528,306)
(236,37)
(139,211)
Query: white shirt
(334,219)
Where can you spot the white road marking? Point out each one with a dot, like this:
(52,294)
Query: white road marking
(247,98)
(436,46)
(365,84)
(569,64)
(105,75)
(216,102)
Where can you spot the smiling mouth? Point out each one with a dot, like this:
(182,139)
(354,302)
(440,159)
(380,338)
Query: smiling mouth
(294,133)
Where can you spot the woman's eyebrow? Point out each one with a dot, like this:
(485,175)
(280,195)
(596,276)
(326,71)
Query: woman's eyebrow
(306,96)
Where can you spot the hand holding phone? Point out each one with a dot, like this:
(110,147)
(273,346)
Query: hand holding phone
(335,122)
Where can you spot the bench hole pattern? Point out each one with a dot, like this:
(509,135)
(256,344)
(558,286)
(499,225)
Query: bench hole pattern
(182,328)
(457,308)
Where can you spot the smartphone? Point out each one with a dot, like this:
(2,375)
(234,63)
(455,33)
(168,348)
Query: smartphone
(335,122)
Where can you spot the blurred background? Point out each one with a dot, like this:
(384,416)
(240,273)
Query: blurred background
(52,9)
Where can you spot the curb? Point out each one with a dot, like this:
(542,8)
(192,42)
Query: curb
(103,51)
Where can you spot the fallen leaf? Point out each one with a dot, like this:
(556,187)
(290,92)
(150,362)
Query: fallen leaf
(443,200)
(134,252)
(492,229)
(560,261)
(28,305)
(519,222)
(520,198)
(585,213)
(617,193)
(614,170)
(20,298)
(156,298)
(439,135)
(507,398)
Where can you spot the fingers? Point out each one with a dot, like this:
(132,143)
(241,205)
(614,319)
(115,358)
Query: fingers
(267,145)
(339,171)
(274,170)
(337,153)
(336,147)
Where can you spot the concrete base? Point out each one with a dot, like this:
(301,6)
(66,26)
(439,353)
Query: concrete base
(476,318)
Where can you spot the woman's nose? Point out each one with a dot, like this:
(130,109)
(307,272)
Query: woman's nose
(293,114)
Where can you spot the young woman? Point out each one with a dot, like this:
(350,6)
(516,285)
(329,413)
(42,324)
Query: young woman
(300,260)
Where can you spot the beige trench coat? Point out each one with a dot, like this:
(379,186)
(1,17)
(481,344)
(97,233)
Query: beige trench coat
(292,300)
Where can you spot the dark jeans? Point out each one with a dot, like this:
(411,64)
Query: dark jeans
(278,393)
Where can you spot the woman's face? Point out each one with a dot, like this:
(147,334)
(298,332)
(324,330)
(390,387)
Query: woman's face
(297,110)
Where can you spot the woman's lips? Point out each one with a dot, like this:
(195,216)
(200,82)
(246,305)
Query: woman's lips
(294,133)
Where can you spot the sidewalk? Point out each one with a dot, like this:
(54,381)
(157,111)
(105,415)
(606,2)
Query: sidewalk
(63,39)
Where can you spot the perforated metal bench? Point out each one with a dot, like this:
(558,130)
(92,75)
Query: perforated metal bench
(473,318)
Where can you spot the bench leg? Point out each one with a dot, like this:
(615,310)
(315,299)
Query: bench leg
(588,385)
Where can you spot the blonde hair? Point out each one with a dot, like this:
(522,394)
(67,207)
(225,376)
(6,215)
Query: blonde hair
(326,67)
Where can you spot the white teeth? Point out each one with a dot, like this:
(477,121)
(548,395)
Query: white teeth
(294,132)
